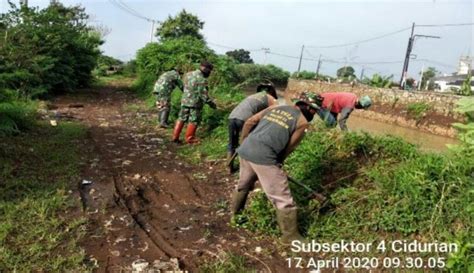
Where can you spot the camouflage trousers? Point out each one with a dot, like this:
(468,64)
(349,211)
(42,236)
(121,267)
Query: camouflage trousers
(163,104)
(190,114)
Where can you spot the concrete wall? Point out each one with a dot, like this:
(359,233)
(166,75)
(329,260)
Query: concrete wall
(443,104)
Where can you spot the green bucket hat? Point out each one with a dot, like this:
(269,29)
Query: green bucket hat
(365,102)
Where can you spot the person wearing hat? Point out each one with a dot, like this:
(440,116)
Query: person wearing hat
(340,105)
(266,96)
(268,138)
(195,95)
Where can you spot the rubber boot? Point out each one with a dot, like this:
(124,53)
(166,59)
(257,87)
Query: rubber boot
(288,222)
(239,198)
(191,134)
(177,130)
(164,118)
(230,162)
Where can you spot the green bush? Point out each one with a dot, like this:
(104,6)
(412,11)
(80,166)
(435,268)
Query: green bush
(52,49)
(156,58)
(418,110)
(305,75)
(255,73)
(42,52)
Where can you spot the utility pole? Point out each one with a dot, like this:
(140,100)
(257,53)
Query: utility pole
(299,65)
(266,50)
(421,77)
(319,66)
(411,41)
(152,30)
(362,73)
(407,57)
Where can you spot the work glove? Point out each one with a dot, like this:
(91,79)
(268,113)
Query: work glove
(212,104)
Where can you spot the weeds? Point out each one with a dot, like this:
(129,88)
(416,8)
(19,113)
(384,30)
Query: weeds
(36,170)
(417,110)
(226,263)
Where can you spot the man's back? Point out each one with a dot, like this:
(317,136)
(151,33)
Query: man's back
(336,101)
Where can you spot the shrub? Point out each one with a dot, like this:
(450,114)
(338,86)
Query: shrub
(306,75)
(418,110)
(52,49)
(156,58)
(255,73)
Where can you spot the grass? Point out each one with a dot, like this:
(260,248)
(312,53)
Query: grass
(37,169)
(417,110)
(226,263)
(381,188)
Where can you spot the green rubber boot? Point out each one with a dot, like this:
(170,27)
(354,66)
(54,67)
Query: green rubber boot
(239,198)
(288,222)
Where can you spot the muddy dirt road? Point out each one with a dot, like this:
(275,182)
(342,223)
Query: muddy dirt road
(147,206)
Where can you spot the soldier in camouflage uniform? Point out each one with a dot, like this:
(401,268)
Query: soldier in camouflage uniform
(195,95)
(165,84)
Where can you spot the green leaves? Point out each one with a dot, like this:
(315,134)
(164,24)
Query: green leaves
(182,25)
(379,81)
(51,49)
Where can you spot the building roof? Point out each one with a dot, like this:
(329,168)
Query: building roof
(452,78)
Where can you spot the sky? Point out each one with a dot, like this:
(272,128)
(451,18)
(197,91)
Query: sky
(284,26)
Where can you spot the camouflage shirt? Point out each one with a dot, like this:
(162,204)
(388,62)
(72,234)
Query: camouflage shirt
(166,83)
(195,90)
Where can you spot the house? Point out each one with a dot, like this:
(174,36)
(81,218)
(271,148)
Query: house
(454,81)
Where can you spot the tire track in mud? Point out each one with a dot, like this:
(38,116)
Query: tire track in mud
(131,200)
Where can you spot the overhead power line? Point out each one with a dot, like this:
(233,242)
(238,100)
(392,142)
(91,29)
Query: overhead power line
(234,48)
(121,5)
(447,25)
(363,41)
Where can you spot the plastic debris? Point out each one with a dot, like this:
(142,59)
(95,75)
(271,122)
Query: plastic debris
(86,182)
(139,266)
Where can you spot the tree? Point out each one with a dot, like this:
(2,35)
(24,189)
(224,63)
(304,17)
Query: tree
(182,25)
(242,56)
(346,72)
(427,76)
(52,49)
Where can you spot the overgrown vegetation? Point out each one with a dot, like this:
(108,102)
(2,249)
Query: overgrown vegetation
(42,52)
(37,170)
(417,110)
(466,88)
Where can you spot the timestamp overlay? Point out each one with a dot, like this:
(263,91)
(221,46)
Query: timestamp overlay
(384,254)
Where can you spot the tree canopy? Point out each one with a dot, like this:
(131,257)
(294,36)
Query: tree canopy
(242,56)
(346,72)
(182,25)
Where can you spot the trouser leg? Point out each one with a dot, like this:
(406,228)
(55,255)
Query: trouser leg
(275,184)
(246,183)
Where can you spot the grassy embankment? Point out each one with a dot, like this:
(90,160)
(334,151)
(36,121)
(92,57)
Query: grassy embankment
(37,170)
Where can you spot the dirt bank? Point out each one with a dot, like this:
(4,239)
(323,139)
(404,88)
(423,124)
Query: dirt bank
(396,113)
